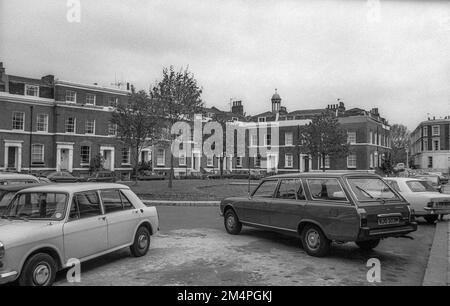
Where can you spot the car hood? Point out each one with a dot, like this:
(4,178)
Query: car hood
(15,232)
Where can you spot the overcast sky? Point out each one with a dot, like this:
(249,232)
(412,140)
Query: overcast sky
(314,51)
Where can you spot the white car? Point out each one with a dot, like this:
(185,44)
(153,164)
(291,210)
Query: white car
(16,178)
(423,198)
(46,226)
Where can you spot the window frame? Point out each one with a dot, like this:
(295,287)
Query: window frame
(286,160)
(351,133)
(102,210)
(14,119)
(347,201)
(86,130)
(90,95)
(45,123)
(163,163)
(291,179)
(355,160)
(36,88)
(69,93)
(289,136)
(33,161)
(74,125)
(263,182)
(83,163)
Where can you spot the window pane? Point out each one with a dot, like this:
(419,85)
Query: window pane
(48,206)
(126,203)
(291,189)
(326,189)
(87,204)
(266,189)
(111,201)
(370,189)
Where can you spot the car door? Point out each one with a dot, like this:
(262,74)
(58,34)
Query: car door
(85,232)
(121,216)
(287,207)
(329,206)
(257,208)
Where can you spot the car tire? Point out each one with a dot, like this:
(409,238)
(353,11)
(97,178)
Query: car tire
(141,242)
(431,219)
(314,242)
(368,244)
(232,223)
(38,271)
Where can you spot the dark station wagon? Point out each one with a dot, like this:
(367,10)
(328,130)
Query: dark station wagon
(322,208)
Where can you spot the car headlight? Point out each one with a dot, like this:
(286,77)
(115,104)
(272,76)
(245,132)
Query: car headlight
(2,250)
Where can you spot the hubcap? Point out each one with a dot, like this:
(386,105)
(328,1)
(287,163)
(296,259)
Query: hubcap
(231,222)
(313,239)
(41,274)
(143,241)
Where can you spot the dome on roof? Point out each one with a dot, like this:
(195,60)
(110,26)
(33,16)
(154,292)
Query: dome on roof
(276,96)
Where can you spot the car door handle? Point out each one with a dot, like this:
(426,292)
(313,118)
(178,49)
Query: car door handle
(102,219)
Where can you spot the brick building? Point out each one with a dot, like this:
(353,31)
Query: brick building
(48,124)
(430,145)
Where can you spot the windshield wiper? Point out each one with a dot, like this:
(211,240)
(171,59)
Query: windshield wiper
(365,192)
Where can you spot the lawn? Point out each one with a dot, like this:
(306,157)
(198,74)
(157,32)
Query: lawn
(192,190)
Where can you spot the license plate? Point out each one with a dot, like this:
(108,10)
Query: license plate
(388,221)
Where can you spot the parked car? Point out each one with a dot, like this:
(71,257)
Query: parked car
(150,176)
(424,198)
(64,177)
(103,176)
(322,208)
(17,179)
(7,192)
(45,226)
(434,180)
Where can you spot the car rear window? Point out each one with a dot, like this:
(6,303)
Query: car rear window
(370,189)
(420,186)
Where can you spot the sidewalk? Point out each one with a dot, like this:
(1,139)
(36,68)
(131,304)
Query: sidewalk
(438,269)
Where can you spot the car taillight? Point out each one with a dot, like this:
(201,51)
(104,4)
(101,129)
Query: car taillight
(362,216)
(412,214)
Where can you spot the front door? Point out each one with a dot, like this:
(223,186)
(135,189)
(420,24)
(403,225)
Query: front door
(64,162)
(257,209)
(107,159)
(85,233)
(12,158)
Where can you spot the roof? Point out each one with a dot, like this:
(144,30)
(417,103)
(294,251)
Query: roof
(322,174)
(17,187)
(16,176)
(75,187)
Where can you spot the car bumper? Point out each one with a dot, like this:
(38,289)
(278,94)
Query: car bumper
(8,277)
(397,231)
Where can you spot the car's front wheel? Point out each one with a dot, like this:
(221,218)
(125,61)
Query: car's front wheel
(368,245)
(431,219)
(314,242)
(141,242)
(39,270)
(232,224)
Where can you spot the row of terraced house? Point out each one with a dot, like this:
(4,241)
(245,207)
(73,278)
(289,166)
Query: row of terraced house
(49,124)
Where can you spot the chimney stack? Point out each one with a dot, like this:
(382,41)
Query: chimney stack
(237,108)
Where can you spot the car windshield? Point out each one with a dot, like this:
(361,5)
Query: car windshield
(371,189)
(420,186)
(38,206)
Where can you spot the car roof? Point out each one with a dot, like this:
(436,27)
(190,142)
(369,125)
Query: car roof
(322,174)
(17,187)
(12,176)
(403,179)
(75,187)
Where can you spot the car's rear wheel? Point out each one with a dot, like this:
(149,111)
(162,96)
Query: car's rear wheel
(141,242)
(368,245)
(232,224)
(39,270)
(431,219)
(315,243)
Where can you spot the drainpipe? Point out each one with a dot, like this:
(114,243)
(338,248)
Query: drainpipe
(31,139)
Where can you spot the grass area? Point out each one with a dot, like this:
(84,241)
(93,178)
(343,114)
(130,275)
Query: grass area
(192,190)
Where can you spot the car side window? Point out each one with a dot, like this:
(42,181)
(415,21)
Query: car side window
(326,189)
(85,205)
(266,189)
(112,200)
(125,202)
(393,185)
(291,189)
